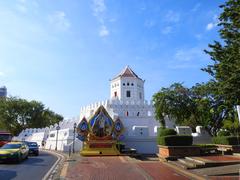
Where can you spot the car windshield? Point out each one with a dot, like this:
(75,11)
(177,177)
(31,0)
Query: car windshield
(5,137)
(32,144)
(11,146)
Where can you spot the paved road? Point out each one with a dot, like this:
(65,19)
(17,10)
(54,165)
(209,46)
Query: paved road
(35,167)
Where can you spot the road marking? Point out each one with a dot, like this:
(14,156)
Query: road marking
(59,157)
(64,170)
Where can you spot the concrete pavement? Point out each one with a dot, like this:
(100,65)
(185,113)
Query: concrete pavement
(117,168)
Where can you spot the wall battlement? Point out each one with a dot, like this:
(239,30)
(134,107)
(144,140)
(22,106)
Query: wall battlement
(120,108)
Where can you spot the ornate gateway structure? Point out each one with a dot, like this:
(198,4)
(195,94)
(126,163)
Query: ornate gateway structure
(100,134)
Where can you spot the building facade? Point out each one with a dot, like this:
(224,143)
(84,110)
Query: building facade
(3,91)
(127,103)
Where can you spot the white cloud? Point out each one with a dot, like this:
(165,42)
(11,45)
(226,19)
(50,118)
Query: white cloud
(103,31)
(99,9)
(2,73)
(196,7)
(22,8)
(112,20)
(170,20)
(188,58)
(172,17)
(166,30)
(22,1)
(59,20)
(184,55)
(198,36)
(149,23)
(212,24)
(209,26)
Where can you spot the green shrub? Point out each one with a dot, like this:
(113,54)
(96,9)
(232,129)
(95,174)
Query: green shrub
(223,133)
(206,145)
(166,132)
(225,140)
(175,140)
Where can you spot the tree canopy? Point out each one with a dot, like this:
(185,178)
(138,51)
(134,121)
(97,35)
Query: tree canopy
(225,54)
(173,101)
(191,106)
(17,114)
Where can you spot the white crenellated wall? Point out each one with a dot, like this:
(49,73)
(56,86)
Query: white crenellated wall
(138,118)
(65,137)
(120,107)
(63,141)
(88,111)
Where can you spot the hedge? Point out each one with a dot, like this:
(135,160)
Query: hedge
(225,140)
(175,140)
(206,145)
(165,132)
(223,133)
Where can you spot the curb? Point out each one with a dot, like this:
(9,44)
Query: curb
(55,167)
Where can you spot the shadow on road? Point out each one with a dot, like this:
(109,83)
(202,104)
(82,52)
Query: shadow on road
(41,154)
(33,161)
(7,174)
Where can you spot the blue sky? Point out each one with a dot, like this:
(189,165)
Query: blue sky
(63,52)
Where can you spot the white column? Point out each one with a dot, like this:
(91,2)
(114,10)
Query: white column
(238,110)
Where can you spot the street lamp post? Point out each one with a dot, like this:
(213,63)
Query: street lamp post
(238,111)
(57,128)
(74,130)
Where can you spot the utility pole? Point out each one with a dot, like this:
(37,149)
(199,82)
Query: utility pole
(74,131)
(58,128)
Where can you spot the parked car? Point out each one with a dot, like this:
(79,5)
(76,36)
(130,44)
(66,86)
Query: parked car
(5,137)
(14,151)
(33,148)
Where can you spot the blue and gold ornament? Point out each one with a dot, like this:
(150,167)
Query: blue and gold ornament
(118,127)
(83,130)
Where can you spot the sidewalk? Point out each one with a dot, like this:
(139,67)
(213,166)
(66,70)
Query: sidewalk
(117,167)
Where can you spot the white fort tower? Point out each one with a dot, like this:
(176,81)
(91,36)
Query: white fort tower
(126,98)
(127,86)
(127,102)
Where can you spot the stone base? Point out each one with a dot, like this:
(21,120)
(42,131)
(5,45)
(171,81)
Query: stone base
(102,148)
(174,152)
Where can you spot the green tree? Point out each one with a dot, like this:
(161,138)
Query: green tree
(17,114)
(232,125)
(210,110)
(225,55)
(191,106)
(174,101)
